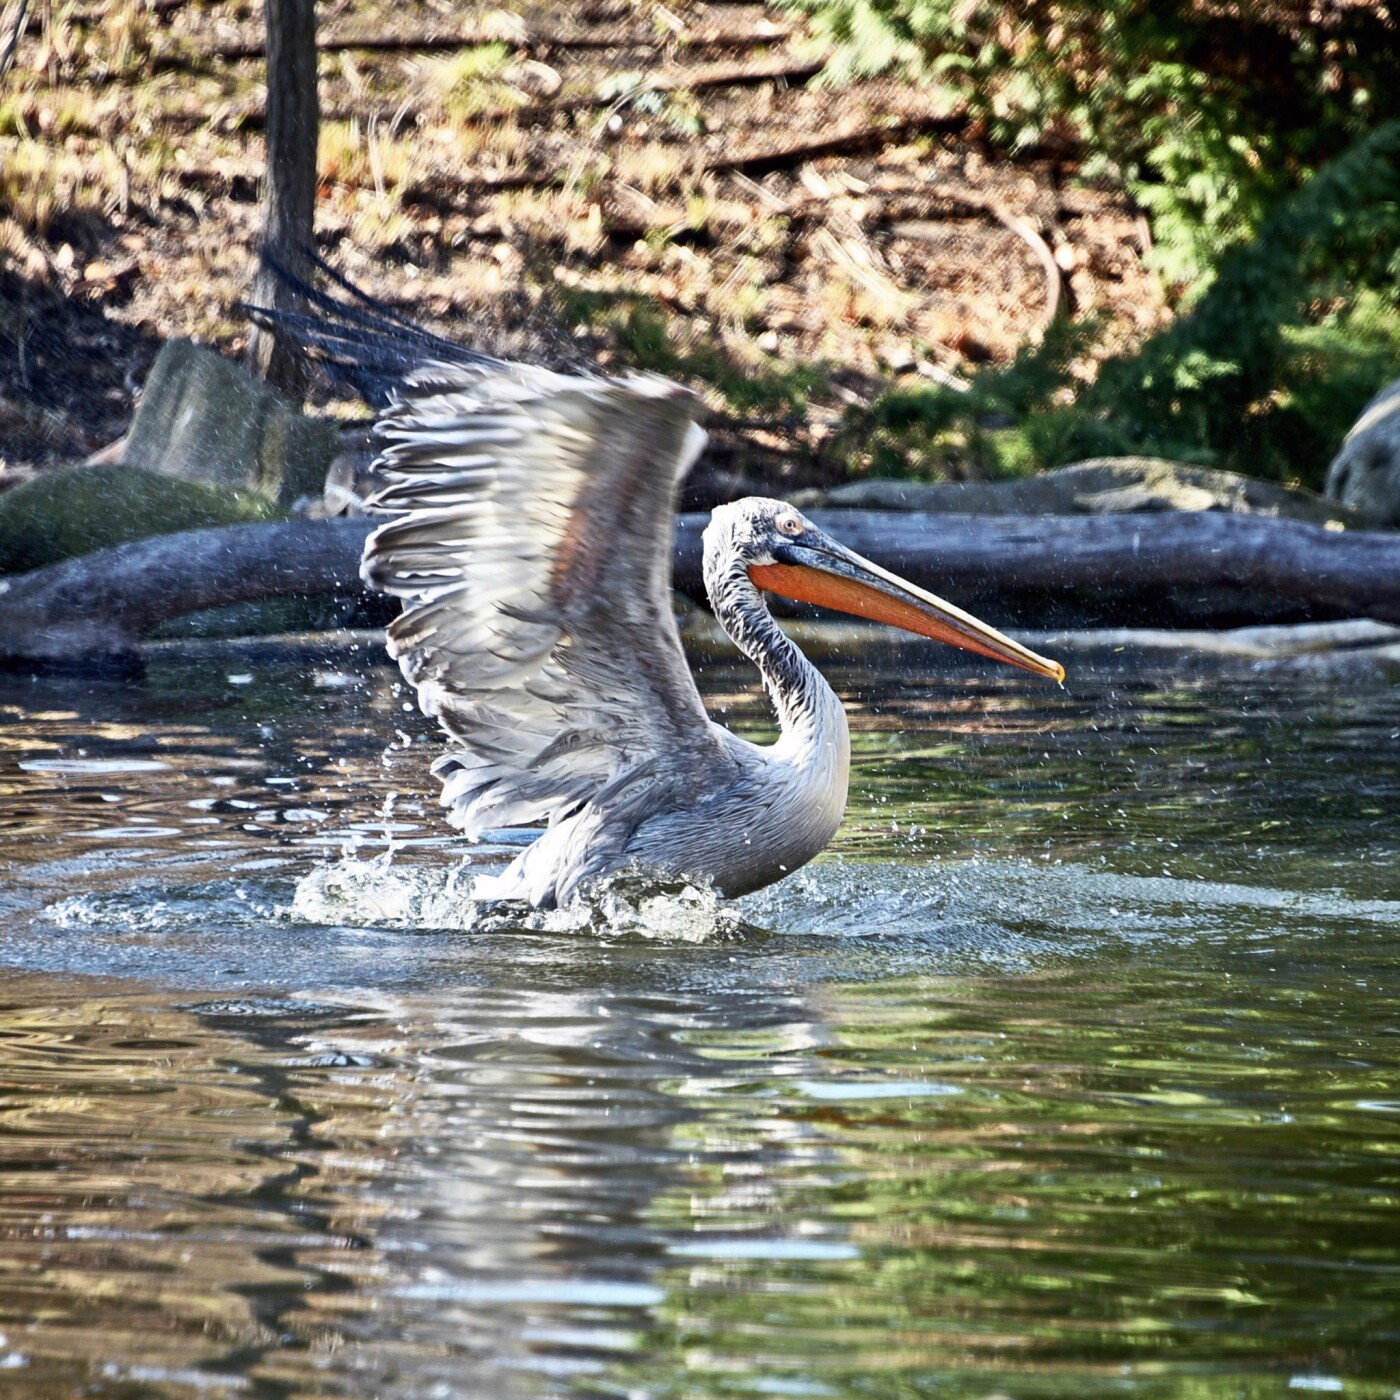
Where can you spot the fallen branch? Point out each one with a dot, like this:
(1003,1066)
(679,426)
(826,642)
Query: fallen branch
(1184,568)
(252,116)
(444,191)
(783,68)
(868,136)
(252,46)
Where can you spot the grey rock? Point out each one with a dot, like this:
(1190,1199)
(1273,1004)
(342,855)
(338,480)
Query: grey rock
(204,418)
(534,79)
(351,477)
(1365,473)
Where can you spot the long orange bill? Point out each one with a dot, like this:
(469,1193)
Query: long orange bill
(835,577)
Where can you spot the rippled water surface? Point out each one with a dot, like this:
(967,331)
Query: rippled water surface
(1073,1069)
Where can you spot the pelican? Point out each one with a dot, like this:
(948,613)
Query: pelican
(530,539)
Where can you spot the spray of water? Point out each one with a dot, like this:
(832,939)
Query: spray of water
(628,904)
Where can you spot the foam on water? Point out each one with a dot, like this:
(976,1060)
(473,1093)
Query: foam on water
(1009,904)
(867,898)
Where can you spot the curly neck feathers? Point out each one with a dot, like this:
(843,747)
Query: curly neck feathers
(806,705)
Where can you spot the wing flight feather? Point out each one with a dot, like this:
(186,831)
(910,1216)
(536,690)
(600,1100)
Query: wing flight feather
(532,548)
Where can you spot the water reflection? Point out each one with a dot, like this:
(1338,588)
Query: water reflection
(1072,1072)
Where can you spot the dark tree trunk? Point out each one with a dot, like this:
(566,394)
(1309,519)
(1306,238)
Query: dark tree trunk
(289,186)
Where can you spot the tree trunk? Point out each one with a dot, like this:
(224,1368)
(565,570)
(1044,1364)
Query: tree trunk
(289,185)
(14,31)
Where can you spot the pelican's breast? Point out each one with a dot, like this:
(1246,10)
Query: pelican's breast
(782,808)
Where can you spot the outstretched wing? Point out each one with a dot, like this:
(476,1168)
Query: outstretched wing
(534,559)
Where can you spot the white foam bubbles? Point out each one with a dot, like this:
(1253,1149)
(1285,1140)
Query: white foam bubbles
(380,892)
(387,892)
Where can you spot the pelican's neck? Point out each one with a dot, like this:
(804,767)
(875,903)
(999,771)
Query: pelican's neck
(809,713)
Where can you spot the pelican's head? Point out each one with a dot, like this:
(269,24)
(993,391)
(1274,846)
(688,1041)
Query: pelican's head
(778,549)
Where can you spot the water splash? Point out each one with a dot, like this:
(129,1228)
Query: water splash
(381,892)
(138,912)
(631,903)
(636,903)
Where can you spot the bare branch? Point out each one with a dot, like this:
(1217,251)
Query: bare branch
(13,29)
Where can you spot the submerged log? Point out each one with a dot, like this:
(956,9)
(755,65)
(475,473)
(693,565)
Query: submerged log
(1196,569)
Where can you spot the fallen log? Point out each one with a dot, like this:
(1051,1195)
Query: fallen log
(1183,568)
(99,606)
(1160,568)
(448,193)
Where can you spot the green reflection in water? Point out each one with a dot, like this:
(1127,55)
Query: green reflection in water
(1172,1180)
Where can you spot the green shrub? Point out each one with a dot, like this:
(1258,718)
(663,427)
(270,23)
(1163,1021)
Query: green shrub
(1207,114)
(1262,374)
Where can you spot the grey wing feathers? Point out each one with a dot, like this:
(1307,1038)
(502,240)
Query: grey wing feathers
(534,558)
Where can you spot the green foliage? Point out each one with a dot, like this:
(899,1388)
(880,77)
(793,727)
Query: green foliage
(1218,381)
(1003,426)
(1207,114)
(1263,374)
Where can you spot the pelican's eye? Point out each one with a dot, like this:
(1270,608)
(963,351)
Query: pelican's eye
(790,524)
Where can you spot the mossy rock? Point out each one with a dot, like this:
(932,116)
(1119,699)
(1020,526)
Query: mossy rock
(74,510)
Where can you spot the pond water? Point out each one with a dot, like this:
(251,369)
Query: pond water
(1073,1070)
